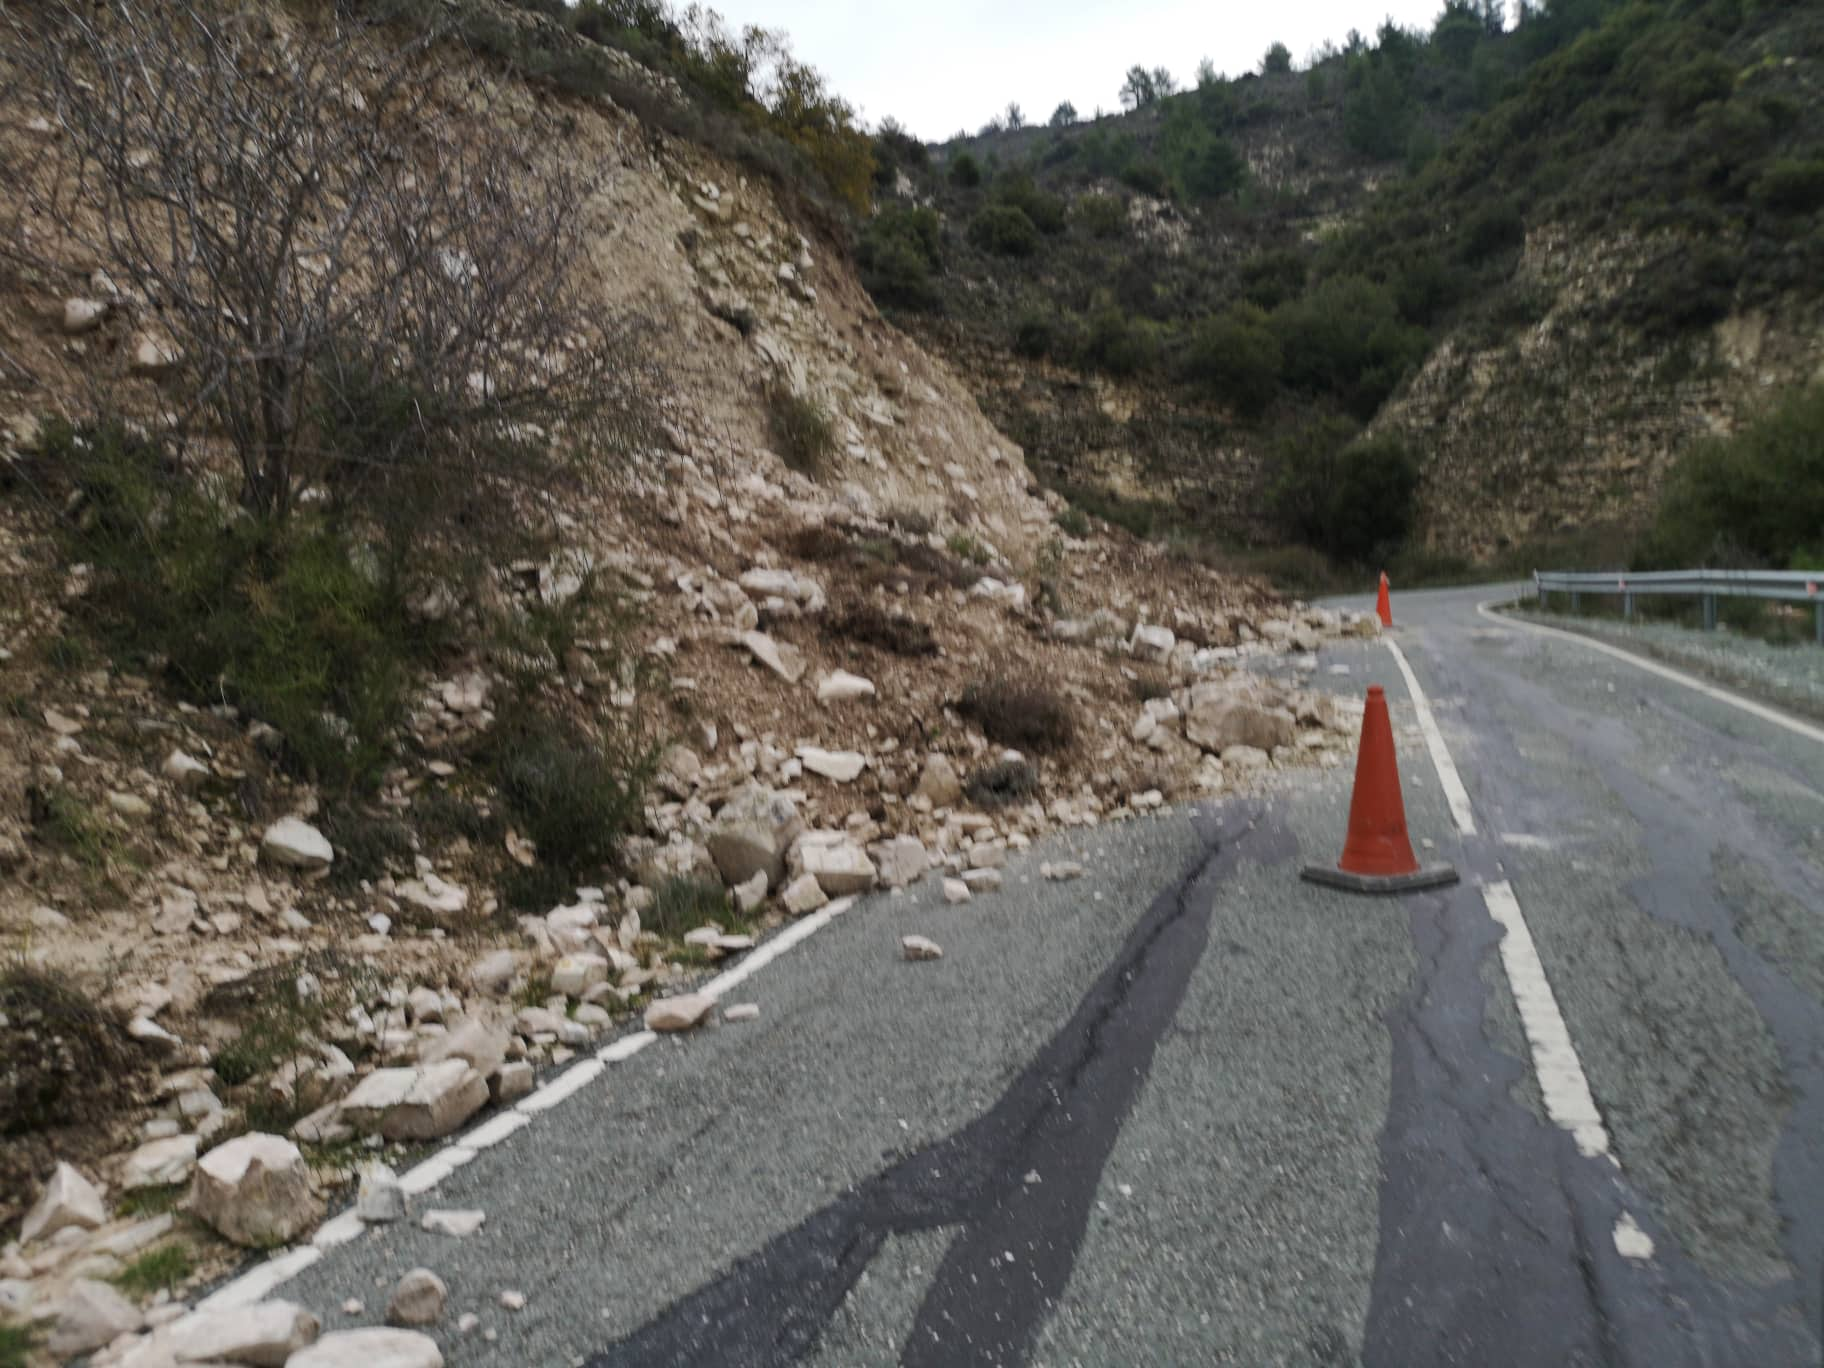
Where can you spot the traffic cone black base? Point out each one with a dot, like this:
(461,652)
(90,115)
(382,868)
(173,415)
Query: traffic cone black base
(1431,876)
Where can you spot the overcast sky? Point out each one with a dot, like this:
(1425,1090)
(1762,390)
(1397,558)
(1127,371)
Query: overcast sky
(944,65)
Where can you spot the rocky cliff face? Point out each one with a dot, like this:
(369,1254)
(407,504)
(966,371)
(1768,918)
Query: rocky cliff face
(1565,430)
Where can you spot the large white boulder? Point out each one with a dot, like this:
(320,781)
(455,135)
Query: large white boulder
(840,866)
(265,1335)
(68,1200)
(372,1348)
(92,1314)
(752,834)
(296,844)
(255,1191)
(842,767)
(416,1104)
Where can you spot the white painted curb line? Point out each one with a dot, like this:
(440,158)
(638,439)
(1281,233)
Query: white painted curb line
(258,1283)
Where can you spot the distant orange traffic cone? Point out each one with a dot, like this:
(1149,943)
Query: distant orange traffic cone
(1383,607)
(1377,853)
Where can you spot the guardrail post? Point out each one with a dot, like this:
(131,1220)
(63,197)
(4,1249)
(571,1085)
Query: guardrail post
(1709,612)
(1627,606)
(1819,610)
(1574,598)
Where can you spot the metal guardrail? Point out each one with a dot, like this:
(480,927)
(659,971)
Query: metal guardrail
(1782,586)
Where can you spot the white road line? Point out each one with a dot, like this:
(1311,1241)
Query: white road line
(1747,705)
(1568,1100)
(1454,792)
(258,1283)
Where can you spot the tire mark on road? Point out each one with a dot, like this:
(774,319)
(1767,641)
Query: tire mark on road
(1018,1241)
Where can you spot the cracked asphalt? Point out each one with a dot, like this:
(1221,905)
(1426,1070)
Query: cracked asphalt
(1191,1110)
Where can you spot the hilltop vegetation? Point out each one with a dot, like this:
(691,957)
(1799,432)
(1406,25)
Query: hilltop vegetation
(1253,267)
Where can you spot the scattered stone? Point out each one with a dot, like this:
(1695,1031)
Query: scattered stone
(483,1044)
(68,1200)
(1152,643)
(575,975)
(380,1199)
(374,1348)
(354,1306)
(956,891)
(840,867)
(1061,872)
(982,880)
(60,724)
(939,782)
(264,1335)
(1218,721)
(918,948)
(458,1223)
(679,1013)
(750,893)
(160,1163)
(804,894)
(512,1082)
(513,1301)
(493,973)
(296,844)
(255,1191)
(83,315)
(901,861)
(839,686)
(417,1299)
(741,1011)
(467,1322)
(1246,757)
(431,894)
(782,658)
(416,1104)
(92,1315)
(841,767)
(130,806)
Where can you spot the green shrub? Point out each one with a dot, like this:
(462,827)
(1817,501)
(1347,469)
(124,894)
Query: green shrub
(1690,287)
(965,171)
(681,904)
(1044,209)
(1148,177)
(17,1345)
(575,792)
(1074,522)
(1270,278)
(1026,715)
(1350,499)
(1102,216)
(1120,345)
(1035,334)
(1237,356)
(302,622)
(899,252)
(56,1041)
(1492,229)
(867,622)
(1346,338)
(1792,186)
(1005,230)
(1278,60)
(1752,499)
(1696,82)
(801,430)
(1002,784)
(156,1270)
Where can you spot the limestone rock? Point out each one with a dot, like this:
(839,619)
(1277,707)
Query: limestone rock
(1218,721)
(380,1200)
(982,880)
(842,767)
(431,894)
(83,315)
(160,1163)
(417,1299)
(918,948)
(511,1082)
(68,1200)
(840,867)
(679,1013)
(803,894)
(1152,643)
(901,861)
(374,1348)
(750,893)
(752,834)
(264,1335)
(956,891)
(782,658)
(295,843)
(493,972)
(741,1011)
(939,782)
(575,975)
(416,1104)
(186,771)
(92,1315)
(839,686)
(459,1224)
(255,1191)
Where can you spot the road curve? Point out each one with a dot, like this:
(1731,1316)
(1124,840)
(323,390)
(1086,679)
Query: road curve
(1189,1109)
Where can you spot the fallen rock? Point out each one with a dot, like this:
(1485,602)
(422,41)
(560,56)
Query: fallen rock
(939,782)
(160,1163)
(493,973)
(264,1335)
(186,771)
(679,1013)
(1152,643)
(380,1199)
(901,861)
(1218,721)
(839,686)
(752,834)
(431,894)
(374,1348)
(484,1045)
(83,315)
(956,891)
(417,1299)
(918,948)
(457,1223)
(92,1315)
(1061,872)
(741,1011)
(512,1082)
(841,767)
(575,975)
(840,867)
(803,894)
(255,1191)
(513,1301)
(982,880)
(782,658)
(296,844)
(68,1200)
(750,893)
(416,1104)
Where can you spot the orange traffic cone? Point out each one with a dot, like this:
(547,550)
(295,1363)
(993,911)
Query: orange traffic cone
(1377,854)
(1383,607)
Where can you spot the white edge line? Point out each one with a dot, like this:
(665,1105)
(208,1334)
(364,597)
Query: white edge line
(1747,705)
(1454,792)
(1562,1082)
(259,1282)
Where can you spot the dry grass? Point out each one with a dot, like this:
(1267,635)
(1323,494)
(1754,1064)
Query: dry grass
(1023,714)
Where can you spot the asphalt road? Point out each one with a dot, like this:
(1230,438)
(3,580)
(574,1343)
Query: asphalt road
(1191,1110)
